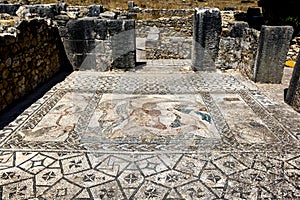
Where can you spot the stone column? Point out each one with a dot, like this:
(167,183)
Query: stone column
(293,93)
(272,50)
(206,37)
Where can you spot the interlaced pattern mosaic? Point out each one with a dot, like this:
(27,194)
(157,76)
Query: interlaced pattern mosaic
(83,154)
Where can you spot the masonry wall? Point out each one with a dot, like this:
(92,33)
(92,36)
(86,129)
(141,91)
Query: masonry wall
(168,27)
(29,58)
(249,46)
(294,49)
(170,48)
(238,48)
(173,29)
(100,44)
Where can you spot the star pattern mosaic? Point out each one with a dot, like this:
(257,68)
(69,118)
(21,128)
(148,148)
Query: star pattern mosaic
(144,176)
(201,135)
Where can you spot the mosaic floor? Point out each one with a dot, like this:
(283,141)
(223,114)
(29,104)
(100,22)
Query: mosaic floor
(161,132)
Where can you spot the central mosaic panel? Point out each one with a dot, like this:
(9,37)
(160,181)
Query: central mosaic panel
(144,118)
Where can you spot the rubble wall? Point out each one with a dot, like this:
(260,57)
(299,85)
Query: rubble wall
(168,27)
(29,58)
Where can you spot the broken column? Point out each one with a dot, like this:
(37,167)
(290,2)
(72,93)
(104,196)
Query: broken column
(293,93)
(272,50)
(206,37)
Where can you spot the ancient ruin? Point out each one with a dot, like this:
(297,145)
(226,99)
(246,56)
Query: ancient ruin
(140,103)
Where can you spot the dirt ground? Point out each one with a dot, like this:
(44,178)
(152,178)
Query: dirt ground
(156,4)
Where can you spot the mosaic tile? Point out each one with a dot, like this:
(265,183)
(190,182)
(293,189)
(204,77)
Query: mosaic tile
(152,134)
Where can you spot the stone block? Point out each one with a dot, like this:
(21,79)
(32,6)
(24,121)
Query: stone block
(62,18)
(152,44)
(123,43)
(100,47)
(64,32)
(130,5)
(154,34)
(272,50)
(98,44)
(102,62)
(82,29)
(122,37)
(293,93)
(115,27)
(44,10)
(129,24)
(153,38)
(131,16)
(75,59)
(95,10)
(95,46)
(249,46)
(238,29)
(125,61)
(108,15)
(206,37)
(83,62)
(229,53)
(88,62)
(9,8)
(90,46)
(75,46)
(101,29)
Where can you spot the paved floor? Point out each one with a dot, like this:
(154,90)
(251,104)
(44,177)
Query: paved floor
(161,132)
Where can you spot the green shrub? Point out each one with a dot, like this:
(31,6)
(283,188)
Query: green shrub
(292,21)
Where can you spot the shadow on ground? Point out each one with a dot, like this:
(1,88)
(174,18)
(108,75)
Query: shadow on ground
(14,110)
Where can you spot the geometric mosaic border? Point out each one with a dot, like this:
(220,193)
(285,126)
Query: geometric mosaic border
(60,175)
(287,141)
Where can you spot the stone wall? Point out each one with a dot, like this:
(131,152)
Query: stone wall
(93,40)
(294,49)
(29,58)
(100,44)
(229,16)
(170,48)
(168,27)
(51,10)
(9,8)
(229,55)
(175,37)
(249,45)
(169,45)
(7,23)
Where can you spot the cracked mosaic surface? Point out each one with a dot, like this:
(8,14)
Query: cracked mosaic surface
(143,135)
